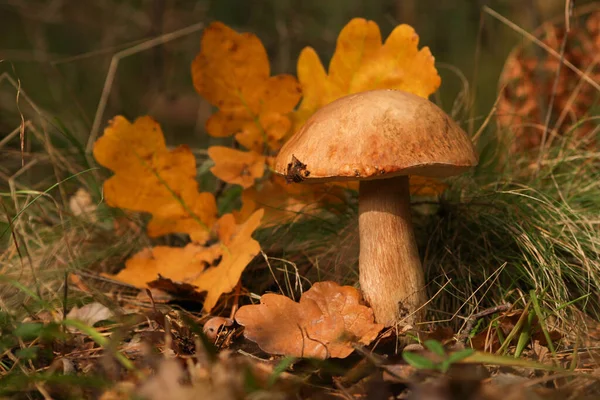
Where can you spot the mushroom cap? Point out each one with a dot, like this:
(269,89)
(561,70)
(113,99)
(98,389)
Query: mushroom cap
(376,135)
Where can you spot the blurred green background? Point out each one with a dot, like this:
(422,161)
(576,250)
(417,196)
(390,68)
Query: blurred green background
(60,50)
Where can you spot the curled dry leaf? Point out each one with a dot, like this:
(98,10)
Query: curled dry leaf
(212,327)
(150,178)
(90,313)
(237,167)
(326,322)
(214,269)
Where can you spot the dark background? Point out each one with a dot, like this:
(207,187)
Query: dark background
(60,50)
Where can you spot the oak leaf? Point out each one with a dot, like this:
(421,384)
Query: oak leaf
(283,202)
(232,72)
(361,62)
(214,269)
(237,167)
(150,178)
(239,249)
(326,322)
(182,264)
(426,186)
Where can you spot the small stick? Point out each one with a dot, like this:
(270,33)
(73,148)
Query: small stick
(464,333)
(236,299)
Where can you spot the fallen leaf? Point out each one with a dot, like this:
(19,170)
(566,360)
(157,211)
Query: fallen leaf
(236,167)
(214,269)
(239,250)
(182,264)
(90,313)
(271,128)
(150,178)
(283,203)
(81,204)
(165,288)
(213,326)
(326,322)
(232,72)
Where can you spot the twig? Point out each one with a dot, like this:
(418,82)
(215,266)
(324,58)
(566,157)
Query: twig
(563,46)
(464,333)
(112,71)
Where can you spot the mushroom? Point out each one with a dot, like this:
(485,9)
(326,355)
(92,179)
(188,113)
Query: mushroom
(380,137)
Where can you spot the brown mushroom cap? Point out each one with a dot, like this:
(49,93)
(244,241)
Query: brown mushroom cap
(376,135)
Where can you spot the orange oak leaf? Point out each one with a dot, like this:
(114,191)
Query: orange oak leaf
(283,202)
(275,127)
(326,322)
(232,72)
(361,62)
(239,249)
(150,178)
(214,269)
(426,186)
(183,264)
(237,167)
(279,205)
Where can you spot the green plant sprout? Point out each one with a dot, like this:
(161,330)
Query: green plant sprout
(446,359)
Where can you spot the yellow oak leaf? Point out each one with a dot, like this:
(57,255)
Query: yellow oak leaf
(327,322)
(232,72)
(280,205)
(283,202)
(239,250)
(237,167)
(426,186)
(150,178)
(275,125)
(361,62)
(182,264)
(214,269)
(358,42)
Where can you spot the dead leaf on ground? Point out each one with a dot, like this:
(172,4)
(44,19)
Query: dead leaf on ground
(488,339)
(81,204)
(90,313)
(326,322)
(214,269)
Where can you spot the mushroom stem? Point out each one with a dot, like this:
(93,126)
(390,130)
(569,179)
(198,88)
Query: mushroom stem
(391,275)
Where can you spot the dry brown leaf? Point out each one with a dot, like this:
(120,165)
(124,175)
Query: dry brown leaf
(81,204)
(326,322)
(90,313)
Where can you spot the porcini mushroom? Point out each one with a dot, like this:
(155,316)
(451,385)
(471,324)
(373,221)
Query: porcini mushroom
(381,137)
